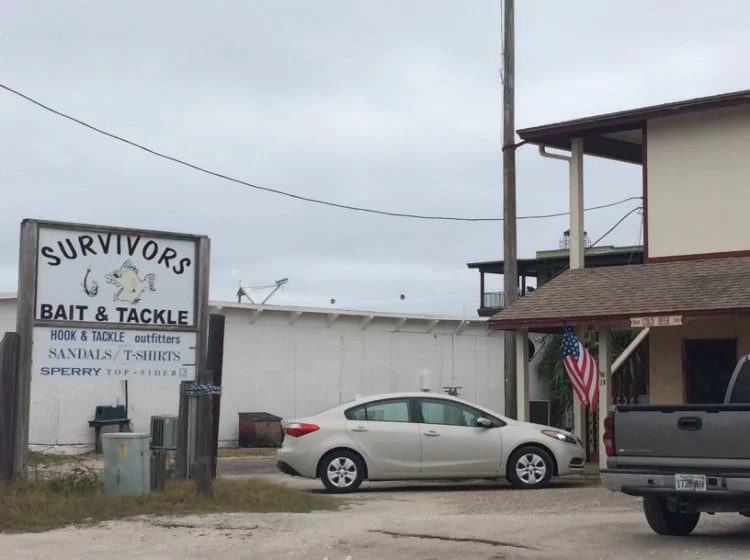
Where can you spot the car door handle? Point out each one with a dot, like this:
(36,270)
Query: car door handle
(359,429)
(431,433)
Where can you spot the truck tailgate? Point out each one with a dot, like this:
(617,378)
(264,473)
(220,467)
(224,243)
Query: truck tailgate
(683,431)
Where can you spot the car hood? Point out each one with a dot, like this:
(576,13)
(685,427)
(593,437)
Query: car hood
(533,426)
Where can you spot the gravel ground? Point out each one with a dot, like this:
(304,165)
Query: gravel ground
(405,521)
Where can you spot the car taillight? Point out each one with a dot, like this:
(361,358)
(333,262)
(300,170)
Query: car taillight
(298,429)
(609,435)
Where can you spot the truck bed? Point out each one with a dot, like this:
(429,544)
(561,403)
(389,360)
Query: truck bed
(713,437)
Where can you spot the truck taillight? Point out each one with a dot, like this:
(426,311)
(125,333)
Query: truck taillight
(609,435)
(298,429)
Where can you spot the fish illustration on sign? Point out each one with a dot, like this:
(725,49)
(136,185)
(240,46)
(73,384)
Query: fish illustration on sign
(131,285)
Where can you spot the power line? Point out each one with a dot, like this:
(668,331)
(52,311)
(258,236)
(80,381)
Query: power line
(284,193)
(595,243)
(613,228)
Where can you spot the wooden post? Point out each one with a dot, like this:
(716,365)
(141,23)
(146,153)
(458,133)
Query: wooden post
(215,363)
(510,266)
(181,462)
(158,470)
(189,417)
(25,313)
(204,421)
(8,398)
(202,472)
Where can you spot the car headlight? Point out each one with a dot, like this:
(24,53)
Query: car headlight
(560,436)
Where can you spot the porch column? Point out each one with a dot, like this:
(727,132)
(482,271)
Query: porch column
(605,386)
(579,411)
(576,251)
(576,203)
(522,375)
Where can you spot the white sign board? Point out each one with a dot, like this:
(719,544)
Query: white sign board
(79,353)
(115,278)
(656,321)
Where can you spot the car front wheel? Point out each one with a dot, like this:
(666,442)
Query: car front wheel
(530,468)
(341,471)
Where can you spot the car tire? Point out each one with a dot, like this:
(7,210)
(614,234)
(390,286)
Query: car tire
(530,468)
(342,471)
(665,522)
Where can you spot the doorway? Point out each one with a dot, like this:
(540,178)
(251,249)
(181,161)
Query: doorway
(708,366)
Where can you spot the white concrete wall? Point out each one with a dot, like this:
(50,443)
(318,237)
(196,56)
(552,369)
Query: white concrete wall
(298,370)
(289,370)
(698,183)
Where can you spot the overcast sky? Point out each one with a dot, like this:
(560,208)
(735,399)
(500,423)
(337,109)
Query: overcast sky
(394,105)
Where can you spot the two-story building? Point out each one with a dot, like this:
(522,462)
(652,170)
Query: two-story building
(690,296)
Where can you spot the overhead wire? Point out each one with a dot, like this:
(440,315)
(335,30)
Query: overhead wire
(466,293)
(601,238)
(279,192)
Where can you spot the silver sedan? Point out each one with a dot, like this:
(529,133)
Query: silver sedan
(423,436)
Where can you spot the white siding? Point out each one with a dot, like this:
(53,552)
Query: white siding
(301,369)
(698,183)
(289,370)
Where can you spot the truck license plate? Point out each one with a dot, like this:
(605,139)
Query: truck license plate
(690,482)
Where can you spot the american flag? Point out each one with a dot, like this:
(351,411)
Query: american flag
(581,367)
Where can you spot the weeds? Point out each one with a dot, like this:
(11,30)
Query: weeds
(77,497)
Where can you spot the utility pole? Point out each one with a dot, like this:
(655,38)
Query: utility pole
(510,268)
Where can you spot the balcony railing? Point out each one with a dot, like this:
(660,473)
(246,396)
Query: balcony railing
(495,300)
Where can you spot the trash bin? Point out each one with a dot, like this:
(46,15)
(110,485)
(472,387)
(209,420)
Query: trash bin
(127,462)
(259,429)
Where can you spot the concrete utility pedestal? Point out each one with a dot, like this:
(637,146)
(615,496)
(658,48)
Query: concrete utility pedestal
(127,463)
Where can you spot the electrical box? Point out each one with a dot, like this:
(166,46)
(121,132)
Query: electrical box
(164,432)
(127,463)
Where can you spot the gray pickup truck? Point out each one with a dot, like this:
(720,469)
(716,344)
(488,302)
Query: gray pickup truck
(683,459)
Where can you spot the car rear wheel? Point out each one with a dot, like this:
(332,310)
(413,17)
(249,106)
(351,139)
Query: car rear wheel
(341,471)
(665,522)
(530,468)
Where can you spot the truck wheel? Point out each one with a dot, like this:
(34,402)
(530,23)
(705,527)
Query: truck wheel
(665,522)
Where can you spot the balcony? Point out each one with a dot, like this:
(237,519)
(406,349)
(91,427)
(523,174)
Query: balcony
(492,302)
(544,268)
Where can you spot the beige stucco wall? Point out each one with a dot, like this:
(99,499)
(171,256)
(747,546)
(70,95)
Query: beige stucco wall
(665,354)
(698,182)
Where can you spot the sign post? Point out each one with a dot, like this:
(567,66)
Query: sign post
(100,303)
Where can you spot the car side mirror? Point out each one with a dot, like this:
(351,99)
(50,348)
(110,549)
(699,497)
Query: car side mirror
(484,423)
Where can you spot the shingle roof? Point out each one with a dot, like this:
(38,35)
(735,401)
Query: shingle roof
(611,295)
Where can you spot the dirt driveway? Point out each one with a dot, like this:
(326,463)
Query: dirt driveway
(389,522)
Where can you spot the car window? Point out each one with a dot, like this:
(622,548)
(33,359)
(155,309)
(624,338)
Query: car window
(381,411)
(449,413)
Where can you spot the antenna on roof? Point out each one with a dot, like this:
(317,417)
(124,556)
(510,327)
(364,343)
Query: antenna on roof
(244,291)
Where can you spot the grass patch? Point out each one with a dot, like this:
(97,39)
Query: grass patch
(247,452)
(77,498)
